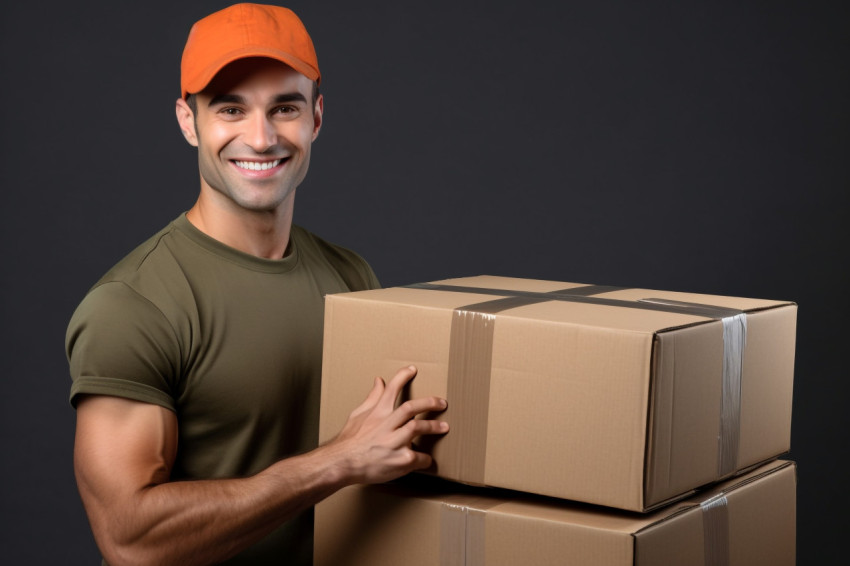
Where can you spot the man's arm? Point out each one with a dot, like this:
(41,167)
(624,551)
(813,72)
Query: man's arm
(124,452)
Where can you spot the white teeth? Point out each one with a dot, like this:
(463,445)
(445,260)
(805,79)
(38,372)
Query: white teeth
(258,166)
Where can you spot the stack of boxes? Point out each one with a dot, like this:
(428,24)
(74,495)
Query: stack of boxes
(590,425)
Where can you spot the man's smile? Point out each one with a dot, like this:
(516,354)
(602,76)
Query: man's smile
(257,165)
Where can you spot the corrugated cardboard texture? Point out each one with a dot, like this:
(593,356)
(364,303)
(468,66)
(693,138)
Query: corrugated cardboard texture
(593,401)
(417,524)
(757,523)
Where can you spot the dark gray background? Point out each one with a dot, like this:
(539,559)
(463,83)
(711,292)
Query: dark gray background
(693,146)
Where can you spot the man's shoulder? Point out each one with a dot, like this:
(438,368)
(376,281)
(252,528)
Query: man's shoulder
(157,272)
(145,291)
(350,265)
(144,256)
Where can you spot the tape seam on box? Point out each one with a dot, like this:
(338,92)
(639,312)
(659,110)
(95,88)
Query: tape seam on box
(468,382)
(577,295)
(462,533)
(715,522)
(734,343)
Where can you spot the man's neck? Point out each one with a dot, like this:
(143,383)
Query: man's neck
(263,234)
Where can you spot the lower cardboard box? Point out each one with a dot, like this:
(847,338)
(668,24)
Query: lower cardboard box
(748,521)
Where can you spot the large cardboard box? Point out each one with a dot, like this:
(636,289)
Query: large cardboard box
(748,521)
(629,398)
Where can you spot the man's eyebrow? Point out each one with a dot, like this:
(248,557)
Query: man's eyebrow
(290,97)
(237,99)
(226,99)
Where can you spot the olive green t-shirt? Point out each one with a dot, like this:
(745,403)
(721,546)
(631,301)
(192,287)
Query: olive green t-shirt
(230,342)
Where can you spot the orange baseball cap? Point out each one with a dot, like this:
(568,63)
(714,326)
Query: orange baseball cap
(245,30)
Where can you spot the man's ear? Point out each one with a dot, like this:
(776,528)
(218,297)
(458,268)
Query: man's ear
(318,112)
(186,120)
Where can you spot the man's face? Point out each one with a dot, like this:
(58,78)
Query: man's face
(254,127)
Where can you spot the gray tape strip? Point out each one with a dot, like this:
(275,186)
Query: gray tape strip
(475,538)
(709,311)
(477,290)
(587,290)
(575,295)
(453,535)
(468,385)
(734,343)
(715,526)
(462,535)
(468,389)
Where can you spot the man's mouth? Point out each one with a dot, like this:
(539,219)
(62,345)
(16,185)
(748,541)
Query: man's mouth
(258,165)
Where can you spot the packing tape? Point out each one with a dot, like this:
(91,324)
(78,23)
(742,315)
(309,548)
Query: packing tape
(470,365)
(584,294)
(470,353)
(453,535)
(715,526)
(734,343)
(468,386)
(462,539)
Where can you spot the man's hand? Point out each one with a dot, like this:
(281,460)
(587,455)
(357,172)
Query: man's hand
(376,440)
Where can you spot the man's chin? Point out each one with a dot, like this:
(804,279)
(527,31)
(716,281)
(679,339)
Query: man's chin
(261,206)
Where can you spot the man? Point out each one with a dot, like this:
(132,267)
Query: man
(196,359)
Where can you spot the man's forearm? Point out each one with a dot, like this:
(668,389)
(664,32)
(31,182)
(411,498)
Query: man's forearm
(204,522)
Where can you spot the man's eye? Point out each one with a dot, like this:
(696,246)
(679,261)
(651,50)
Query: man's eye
(285,110)
(230,111)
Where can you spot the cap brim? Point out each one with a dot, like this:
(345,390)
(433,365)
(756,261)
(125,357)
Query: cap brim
(199,82)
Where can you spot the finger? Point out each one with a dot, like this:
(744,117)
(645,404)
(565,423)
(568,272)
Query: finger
(372,398)
(410,409)
(377,390)
(421,427)
(419,461)
(397,383)
(403,437)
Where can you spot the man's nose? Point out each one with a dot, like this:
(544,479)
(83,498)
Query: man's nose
(261,134)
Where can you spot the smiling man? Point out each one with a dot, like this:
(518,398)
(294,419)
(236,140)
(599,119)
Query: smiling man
(196,360)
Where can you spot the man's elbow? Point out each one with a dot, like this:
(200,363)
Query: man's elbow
(122,550)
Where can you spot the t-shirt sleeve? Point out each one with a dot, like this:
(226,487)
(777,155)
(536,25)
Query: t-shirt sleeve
(118,343)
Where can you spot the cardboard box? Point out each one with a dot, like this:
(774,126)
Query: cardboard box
(629,398)
(748,521)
